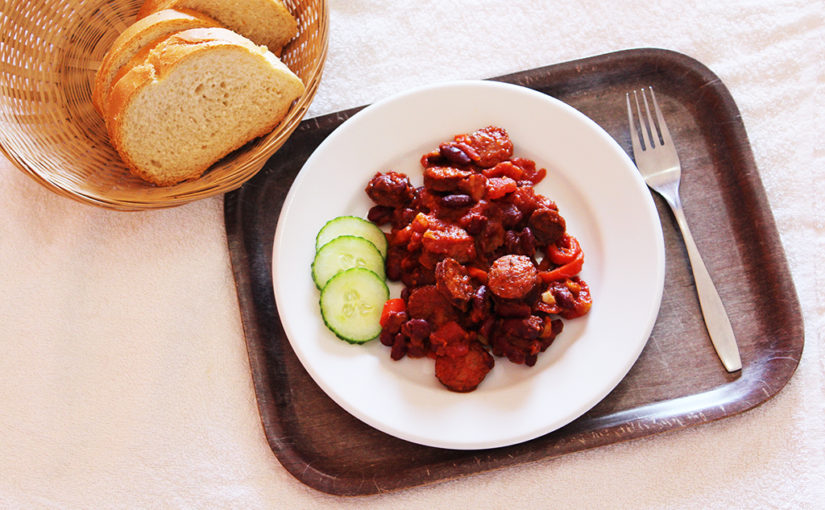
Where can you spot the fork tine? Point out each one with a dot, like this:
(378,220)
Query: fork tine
(634,135)
(642,127)
(654,134)
(667,140)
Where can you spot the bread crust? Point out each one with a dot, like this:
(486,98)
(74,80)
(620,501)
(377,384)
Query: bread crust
(160,60)
(150,6)
(131,40)
(282,23)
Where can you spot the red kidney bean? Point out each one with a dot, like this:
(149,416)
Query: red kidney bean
(380,214)
(512,242)
(456,201)
(391,189)
(402,216)
(417,348)
(387,338)
(394,321)
(564,298)
(416,328)
(480,304)
(510,216)
(399,347)
(453,154)
(528,242)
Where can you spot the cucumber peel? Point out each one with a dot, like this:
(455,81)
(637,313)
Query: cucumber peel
(351,304)
(352,226)
(342,253)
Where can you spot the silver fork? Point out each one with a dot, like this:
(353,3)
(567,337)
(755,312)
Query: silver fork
(659,165)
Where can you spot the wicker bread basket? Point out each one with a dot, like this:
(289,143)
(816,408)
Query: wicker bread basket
(49,129)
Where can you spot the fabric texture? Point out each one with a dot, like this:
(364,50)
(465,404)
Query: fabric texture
(124,379)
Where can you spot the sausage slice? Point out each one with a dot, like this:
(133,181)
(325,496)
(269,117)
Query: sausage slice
(464,373)
(427,303)
(453,281)
(512,276)
(547,225)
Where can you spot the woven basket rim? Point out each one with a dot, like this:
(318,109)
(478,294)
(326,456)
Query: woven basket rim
(312,40)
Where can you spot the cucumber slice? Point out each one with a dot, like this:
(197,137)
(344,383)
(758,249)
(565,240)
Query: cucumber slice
(351,304)
(345,252)
(352,226)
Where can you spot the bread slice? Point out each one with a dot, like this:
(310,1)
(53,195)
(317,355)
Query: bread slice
(198,95)
(266,22)
(137,36)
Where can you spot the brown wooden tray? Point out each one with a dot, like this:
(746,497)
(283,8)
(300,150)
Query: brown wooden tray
(676,383)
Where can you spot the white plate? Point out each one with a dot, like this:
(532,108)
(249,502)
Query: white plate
(598,191)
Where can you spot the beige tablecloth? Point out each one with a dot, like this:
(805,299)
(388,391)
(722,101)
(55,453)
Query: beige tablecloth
(124,380)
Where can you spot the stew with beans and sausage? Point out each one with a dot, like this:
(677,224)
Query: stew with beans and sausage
(488,267)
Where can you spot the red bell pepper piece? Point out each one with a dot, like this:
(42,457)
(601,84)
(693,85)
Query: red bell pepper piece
(564,250)
(568,270)
(395,305)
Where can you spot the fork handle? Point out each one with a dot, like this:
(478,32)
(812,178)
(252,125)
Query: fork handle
(716,319)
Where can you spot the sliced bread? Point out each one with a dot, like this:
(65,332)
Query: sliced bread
(266,22)
(198,95)
(137,36)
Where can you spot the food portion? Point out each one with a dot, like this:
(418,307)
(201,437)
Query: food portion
(488,266)
(348,269)
(135,38)
(197,96)
(351,304)
(178,90)
(354,226)
(264,22)
(345,252)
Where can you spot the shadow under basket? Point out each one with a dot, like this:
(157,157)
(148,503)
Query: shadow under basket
(49,128)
